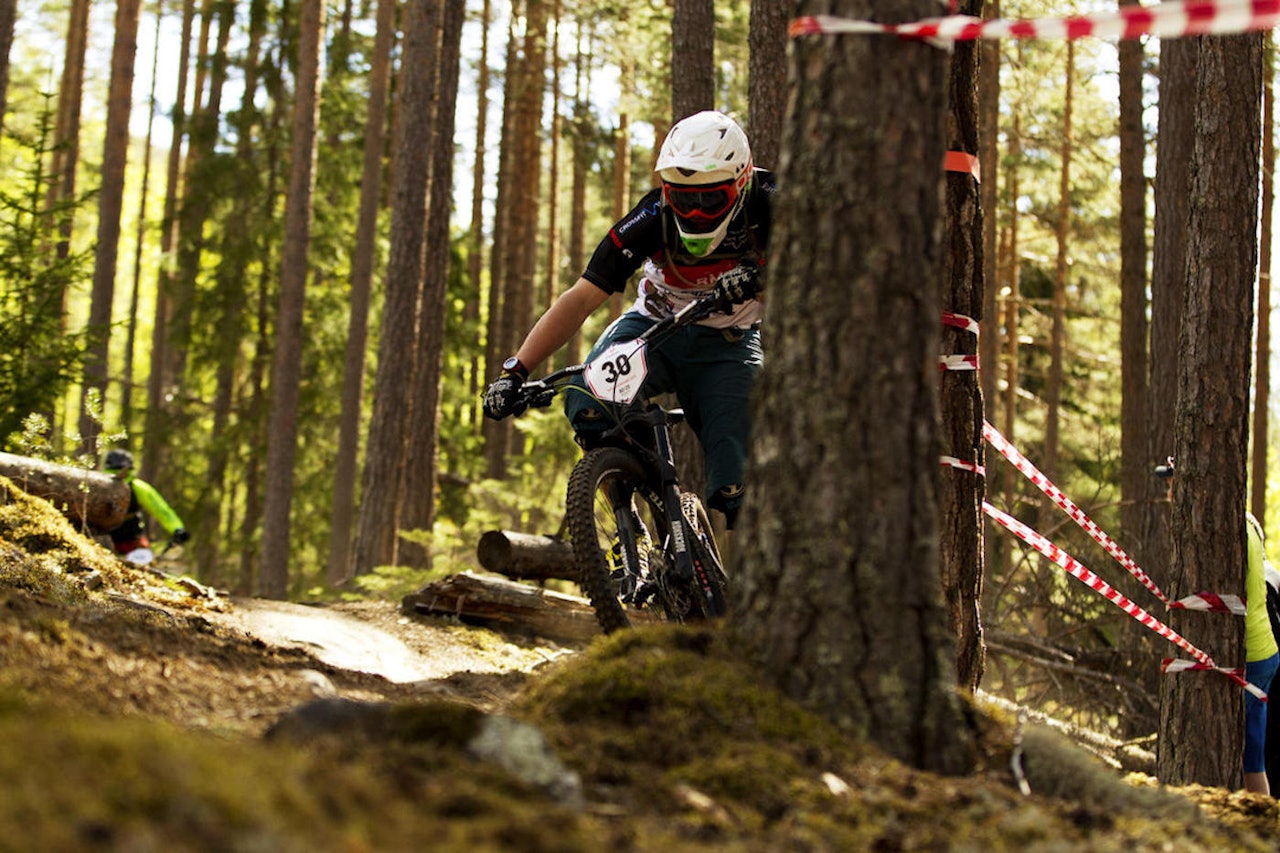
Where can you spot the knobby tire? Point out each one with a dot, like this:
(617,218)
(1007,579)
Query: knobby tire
(605,475)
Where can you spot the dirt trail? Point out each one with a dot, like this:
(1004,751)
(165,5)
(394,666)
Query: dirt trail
(406,650)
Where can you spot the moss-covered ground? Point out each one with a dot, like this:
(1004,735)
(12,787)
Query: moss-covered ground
(131,719)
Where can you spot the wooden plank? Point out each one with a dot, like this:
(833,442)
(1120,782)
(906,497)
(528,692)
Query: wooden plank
(83,495)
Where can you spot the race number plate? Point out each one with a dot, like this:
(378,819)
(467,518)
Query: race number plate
(615,376)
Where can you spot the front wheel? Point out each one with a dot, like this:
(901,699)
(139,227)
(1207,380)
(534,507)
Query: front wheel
(617,523)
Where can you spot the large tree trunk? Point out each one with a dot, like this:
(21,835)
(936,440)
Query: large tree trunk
(960,491)
(345,465)
(286,368)
(1212,426)
(839,598)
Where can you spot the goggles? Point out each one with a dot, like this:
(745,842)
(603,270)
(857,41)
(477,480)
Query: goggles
(706,202)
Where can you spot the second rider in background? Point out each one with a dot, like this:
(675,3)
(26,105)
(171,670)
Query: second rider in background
(711,215)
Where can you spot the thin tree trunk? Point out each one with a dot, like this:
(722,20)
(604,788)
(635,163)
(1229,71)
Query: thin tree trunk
(286,368)
(160,378)
(767,81)
(130,346)
(1262,357)
(115,155)
(8,17)
(345,465)
(1057,337)
(381,486)
(961,492)
(419,510)
(693,44)
(475,254)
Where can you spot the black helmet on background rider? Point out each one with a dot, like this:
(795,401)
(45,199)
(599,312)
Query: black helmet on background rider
(118,460)
(705,167)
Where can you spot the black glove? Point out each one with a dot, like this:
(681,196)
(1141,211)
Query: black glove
(502,398)
(737,286)
(179,536)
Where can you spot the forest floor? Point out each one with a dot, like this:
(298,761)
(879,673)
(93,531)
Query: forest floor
(140,712)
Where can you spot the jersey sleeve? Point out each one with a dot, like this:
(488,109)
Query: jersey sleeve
(156,506)
(635,237)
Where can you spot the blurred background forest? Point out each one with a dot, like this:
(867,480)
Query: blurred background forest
(203,261)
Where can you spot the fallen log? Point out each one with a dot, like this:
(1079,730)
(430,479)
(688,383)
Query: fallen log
(84,496)
(504,604)
(526,556)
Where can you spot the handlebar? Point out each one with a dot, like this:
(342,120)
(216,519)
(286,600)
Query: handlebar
(538,393)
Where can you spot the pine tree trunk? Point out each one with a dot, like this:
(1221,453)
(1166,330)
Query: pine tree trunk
(362,260)
(1262,356)
(420,487)
(961,492)
(839,599)
(286,368)
(475,254)
(382,483)
(8,17)
(693,45)
(1212,422)
(1057,337)
(767,80)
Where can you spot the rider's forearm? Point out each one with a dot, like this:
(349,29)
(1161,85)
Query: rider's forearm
(565,317)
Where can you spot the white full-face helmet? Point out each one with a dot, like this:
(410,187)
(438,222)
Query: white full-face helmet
(705,167)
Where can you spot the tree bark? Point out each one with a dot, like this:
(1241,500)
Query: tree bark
(767,81)
(693,51)
(286,368)
(838,599)
(1212,426)
(1262,353)
(86,497)
(961,492)
(362,260)
(115,155)
(381,489)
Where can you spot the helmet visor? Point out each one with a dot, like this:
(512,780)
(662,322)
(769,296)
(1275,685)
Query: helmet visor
(700,204)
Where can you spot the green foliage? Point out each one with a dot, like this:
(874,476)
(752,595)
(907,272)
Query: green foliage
(38,356)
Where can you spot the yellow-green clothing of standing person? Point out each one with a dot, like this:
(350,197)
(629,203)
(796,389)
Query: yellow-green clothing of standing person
(1261,660)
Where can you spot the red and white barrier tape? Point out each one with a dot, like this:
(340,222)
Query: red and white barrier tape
(964,163)
(1163,20)
(963,465)
(1171,665)
(1211,602)
(960,321)
(957,362)
(1078,571)
(1032,473)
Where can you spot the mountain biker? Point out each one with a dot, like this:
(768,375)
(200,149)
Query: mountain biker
(710,215)
(129,539)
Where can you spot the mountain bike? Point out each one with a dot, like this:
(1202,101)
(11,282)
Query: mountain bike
(640,541)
